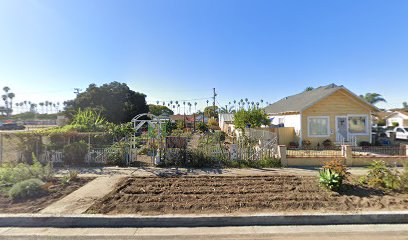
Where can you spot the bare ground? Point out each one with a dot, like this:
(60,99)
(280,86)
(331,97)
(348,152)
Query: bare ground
(240,194)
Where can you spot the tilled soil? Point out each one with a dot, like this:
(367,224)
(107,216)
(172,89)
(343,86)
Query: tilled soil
(240,194)
(34,205)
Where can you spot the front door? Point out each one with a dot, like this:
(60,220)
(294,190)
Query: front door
(341,128)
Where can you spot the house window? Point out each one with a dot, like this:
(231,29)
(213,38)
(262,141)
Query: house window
(358,124)
(318,126)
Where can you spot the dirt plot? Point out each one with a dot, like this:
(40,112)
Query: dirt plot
(240,194)
(37,204)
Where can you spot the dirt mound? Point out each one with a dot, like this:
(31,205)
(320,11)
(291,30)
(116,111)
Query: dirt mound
(241,194)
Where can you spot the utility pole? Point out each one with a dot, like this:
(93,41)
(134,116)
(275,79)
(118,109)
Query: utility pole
(214,95)
(77,91)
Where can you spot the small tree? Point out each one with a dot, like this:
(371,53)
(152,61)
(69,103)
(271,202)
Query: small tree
(253,117)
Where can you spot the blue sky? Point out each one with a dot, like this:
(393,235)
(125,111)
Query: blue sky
(180,50)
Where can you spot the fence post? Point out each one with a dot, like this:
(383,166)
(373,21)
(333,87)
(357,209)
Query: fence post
(348,155)
(282,155)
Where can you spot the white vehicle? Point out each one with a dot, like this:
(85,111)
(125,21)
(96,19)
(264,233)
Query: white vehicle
(400,133)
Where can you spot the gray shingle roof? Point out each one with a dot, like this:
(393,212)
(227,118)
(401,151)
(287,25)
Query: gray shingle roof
(301,101)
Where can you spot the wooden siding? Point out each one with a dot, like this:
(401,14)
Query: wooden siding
(339,103)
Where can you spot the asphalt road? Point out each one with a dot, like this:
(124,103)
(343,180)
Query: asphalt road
(338,232)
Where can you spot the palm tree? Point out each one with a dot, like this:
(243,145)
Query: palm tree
(373,98)
(11,96)
(227,109)
(42,106)
(235,103)
(195,107)
(157,102)
(261,102)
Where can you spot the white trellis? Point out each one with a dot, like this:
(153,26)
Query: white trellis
(153,121)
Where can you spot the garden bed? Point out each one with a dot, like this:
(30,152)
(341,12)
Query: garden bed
(57,192)
(240,194)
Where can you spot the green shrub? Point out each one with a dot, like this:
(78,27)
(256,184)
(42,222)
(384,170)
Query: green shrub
(13,173)
(74,153)
(381,176)
(337,166)
(202,127)
(71,176)
(29,188)
(330,179)
(117,154)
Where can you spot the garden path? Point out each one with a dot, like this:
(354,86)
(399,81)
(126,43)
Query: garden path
(80,200)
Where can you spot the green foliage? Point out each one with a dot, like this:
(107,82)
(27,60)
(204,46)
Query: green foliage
(219,136)
(71,176)
(395,124)
(211,111)
(90,120)
(180,124)
(381,176)
(202,127)
(159,110)
(13,173)
(116,102)
(29,188)
(119,131)
(373,98)
(337,166)
(74,153)
(253,117)
(212,122)
(117,153)
(330,179)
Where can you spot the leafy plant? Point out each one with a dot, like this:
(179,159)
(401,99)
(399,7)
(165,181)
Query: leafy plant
(90,119)
(74,153)
(253,117)
(71,176)
(337,166)
(327,143)
(29,188)
(12,173)
(330,179)
(202,127)
(117,154)
(381,176)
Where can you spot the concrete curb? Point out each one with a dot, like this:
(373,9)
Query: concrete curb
(89,221)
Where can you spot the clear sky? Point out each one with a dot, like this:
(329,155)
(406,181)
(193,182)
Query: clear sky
(176,50)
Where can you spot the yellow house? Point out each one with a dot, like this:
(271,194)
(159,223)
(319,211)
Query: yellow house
(329,112)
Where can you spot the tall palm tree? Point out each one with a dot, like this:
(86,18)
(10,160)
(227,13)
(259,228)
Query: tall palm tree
(11,96)
(157,102)
(261,102)
(195,107)
(42,106)
(235,103)
(373,98)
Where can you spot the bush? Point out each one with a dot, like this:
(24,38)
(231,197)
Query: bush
(330,179)
(202,127)
(380,176)
(306,143)
(293,145)
(29,188)
(395,124)
(338,167)
(117,154)
(74,153)
(327,143)
(13,173)
(71,176)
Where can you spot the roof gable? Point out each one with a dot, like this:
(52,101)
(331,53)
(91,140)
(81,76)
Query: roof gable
(302,101)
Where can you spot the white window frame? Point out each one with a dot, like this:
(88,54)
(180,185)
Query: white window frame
(367,125)
(308,126)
